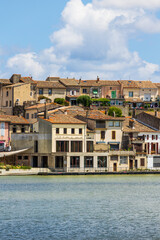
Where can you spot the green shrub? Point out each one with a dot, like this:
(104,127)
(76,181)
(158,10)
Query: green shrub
(43,97)
(85,100)
(25,167)
(118,111)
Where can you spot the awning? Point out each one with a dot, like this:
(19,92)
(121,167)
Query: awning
(6,154)
(113,142)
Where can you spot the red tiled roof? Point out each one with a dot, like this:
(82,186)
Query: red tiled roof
(48,84)
(65,119)
(13,119)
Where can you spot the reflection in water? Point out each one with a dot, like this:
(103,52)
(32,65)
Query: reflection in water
(80,207)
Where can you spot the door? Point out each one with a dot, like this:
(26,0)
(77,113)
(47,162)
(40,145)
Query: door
(44,162)
(35,161)
(136,164)
(113,94)
(114,167)
(59,162)
(130,164)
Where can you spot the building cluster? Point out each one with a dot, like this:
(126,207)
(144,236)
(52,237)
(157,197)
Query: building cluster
(75,139)
(20,91)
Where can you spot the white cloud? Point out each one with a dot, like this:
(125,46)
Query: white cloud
(26,63)
(147,4)
(94,41)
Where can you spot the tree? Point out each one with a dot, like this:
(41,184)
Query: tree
(61,101)
(118,111)
(84,100)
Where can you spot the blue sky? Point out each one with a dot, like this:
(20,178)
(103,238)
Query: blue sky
(114,39)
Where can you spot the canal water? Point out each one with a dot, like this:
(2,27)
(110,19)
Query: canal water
(80,207)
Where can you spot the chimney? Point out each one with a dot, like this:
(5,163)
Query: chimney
(132,123)
(46,116)
(156,113)
(15,78)
(97,79)
(79,80)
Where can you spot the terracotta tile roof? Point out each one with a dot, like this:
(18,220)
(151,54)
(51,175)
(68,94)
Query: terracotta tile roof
(98,115)
(128,83)
(157,84)
(137,84)
(153,113)
(89,83)
(69,82)
(16,85)
(66,119)
(92,83)
(5,81)
(13,119)
(146,84)
(27,80)
(41,105)
(109,83)
(47,84)
(138,127)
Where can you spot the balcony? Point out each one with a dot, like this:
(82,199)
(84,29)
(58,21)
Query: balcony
(121,152)
(138,140)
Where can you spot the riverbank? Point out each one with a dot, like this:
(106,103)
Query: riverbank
(48,172)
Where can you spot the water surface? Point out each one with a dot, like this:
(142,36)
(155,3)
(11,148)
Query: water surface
(80,207)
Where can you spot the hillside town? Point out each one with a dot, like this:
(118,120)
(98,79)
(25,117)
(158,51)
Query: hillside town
(44,124)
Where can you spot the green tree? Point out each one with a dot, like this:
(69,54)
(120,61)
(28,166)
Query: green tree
(59,100)
(84,100)
(118,111)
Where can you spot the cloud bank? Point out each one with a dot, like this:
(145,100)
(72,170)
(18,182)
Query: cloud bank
(94,41)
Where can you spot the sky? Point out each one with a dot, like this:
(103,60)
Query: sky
(112,39)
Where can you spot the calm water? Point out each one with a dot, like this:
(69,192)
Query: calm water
(80,207)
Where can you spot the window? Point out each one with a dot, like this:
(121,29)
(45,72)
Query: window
(72,131)
(113,135)
(10,103)
(65,130)
(30,94)
(57,130)
(153,137)
(62,146)
(114,158)
(27,115)
(36,146)
(75,162)
(100,124)
(117,124)
(114,147)
(95,91)
(102,134)
(35,115)
(32,115)
(14,129)
(7,94)
(147,137)
(76,146)
(111,124)
(2,129)
(123,160)
(19,157)
(89,146)
(84,90)
(80,130)
(88,161)
(50,91)
(130,94)
(142,162)
(6,103)
(25,157)
(40,91)
(23,129)
(110,88)
(102,161)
